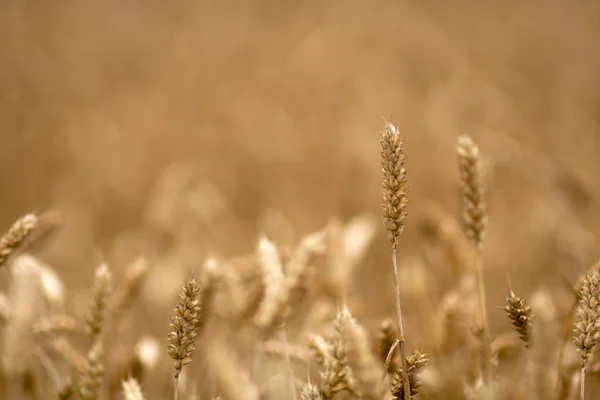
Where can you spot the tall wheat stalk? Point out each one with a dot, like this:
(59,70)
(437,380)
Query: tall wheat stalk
(394,204)
(475,220)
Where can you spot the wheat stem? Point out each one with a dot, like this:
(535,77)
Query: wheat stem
(485,339)
(176,388)
(568,325)
(583,374)
(400,325)
(288,366)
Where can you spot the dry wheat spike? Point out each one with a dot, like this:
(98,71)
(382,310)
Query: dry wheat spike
(395,185)
(185,328)
(100,292)
(16,236)
(474,214)
(416,362)
(520,315)
(92,378)
(310,392)
(586,331)
(132,390)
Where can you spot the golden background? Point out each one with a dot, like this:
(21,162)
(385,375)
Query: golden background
(186,129)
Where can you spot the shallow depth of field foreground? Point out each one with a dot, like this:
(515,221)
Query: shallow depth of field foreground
(303,200)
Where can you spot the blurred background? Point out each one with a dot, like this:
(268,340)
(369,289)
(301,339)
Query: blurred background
(186,129)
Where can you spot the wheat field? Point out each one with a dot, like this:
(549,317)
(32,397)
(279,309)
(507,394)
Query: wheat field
(259,200)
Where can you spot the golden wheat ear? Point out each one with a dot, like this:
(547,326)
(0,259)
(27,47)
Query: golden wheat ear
(95,320)
(586,331)
(361,359)
(92,378)
(415,363)
(474,206)
(185,329)
(132,390)
(394,181)
(135,274)
(521,316)
(18,352)
(16,236)
(310,392)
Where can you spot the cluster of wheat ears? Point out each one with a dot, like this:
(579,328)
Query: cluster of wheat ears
(289,308)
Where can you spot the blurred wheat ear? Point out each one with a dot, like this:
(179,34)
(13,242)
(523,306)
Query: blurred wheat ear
(474,223)
(16,236)
(310,392)
(96,318)
(92,378)
(474,207)
(132,390)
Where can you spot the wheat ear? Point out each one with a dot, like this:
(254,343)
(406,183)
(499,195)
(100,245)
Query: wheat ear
(310,392)
(520,315)
(135,275)
(18,339)
(337,375)
(95,320)
(474,221)
(185,329)
(586,331)
(568,327)
(16,236)
(93,375)
(415,363)
(132,390)
(394,203)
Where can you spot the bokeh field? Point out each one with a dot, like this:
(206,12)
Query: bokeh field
(188,130)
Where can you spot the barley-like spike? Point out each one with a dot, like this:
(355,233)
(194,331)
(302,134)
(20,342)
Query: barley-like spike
(395,185)
(520,315)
